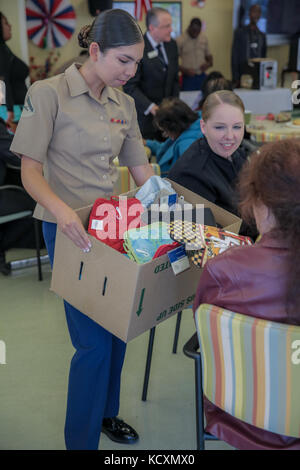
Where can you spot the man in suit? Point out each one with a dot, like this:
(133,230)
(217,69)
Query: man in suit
(157,74)
(248,43)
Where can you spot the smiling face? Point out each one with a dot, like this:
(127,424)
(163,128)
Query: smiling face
(224,129)
(117,65)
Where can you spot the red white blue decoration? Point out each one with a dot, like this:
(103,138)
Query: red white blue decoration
(50,23)
(141,5)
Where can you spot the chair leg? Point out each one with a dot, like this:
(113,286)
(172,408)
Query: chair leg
(175,343)
(37,244)
(148,363)
(199,405)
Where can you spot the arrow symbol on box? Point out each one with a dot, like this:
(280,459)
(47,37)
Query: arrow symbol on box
(139,310)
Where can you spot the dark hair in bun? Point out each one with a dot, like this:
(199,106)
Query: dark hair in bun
(111,28)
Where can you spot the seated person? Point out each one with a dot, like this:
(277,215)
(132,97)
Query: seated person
(6,156)
(180,125)
(261,280)
(214,84)
(19,233)
(211,164)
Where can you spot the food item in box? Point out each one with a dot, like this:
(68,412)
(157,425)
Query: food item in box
(203,242)
(218,240)
(296,122)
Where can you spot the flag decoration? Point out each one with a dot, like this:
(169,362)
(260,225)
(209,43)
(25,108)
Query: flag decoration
(140,6)
(50,23)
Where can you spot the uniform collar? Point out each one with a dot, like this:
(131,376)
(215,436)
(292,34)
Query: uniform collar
(78,86)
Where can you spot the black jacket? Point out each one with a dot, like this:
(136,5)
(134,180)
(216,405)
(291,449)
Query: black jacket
(153,82)
(241,51)
(13,71)
(209,175)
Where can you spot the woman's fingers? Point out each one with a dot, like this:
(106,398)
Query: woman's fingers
(71,226)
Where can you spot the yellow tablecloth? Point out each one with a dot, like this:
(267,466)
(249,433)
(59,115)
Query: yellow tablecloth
(270,130)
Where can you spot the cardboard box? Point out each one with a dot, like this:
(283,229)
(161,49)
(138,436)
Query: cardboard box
(124,297)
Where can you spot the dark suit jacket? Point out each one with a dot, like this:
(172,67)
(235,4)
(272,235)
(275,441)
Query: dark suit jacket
(152,83)
(209,175)
(241,50)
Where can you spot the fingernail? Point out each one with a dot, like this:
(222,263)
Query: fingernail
(86,250)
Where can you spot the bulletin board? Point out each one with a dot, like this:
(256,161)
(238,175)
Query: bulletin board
(174,8)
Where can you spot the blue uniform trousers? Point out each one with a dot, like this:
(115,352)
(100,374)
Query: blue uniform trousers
(193,83)
(95,372)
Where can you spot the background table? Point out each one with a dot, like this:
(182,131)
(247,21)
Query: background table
(266,101)
(269,131)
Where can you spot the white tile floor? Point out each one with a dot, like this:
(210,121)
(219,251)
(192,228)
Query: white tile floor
(34,378)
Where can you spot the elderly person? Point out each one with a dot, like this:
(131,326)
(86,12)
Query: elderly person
(261,280)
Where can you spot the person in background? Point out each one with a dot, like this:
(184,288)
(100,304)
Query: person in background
(13,71)
(195,56)
(211,165)
(83,121)
(212,85)
(261,280)
(248,43)
(18,233)
(157,74)
(180,125)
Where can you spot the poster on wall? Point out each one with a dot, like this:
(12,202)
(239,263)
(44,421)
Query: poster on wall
(174,8)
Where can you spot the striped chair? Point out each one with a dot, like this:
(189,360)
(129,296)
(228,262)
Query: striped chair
(249,368)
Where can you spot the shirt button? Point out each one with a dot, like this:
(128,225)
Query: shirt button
(104,177)
(105,138)
(101,118)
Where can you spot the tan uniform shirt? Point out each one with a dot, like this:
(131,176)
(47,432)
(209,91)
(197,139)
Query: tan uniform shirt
(76,137)
(192,52)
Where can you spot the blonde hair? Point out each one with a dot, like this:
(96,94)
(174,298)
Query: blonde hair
(220,97)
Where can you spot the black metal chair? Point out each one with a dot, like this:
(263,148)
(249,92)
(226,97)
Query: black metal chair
(191,349)
(22,215)
(150,350)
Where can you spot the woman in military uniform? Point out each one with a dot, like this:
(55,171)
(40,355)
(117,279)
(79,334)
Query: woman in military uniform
(72,127)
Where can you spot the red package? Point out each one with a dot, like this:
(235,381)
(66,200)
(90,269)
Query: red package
(110,218)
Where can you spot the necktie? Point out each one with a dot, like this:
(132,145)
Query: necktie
(160,55)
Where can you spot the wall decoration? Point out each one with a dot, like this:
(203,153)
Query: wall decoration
(39,72)
(198,3)
(50,23)
(140,7)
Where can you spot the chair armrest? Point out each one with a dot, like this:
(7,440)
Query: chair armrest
(13,167)
(191,347)
(12,186)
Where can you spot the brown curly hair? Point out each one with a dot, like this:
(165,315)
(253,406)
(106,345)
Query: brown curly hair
(272,177)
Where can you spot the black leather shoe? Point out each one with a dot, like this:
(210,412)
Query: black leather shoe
(119,431)
(5,268)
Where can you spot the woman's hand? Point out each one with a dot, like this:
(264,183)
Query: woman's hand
(70,224)
(39,189)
